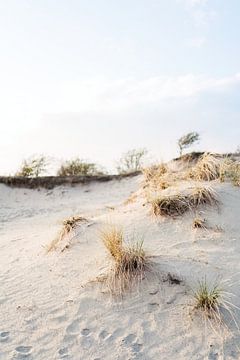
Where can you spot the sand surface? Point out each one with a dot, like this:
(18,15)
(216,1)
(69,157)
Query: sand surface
(51,307)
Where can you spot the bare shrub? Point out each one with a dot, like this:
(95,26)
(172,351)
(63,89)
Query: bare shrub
(33,167)
(132,161)
(78,167)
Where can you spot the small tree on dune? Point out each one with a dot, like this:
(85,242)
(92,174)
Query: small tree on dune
(187,140)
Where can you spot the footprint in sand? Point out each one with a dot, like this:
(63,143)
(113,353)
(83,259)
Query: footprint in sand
(73,328)
(213,355)
(128,340)
(103,334)
(23,352)
(85,332)
(2,300)
(136,347)
(86,340)
(63,352)
(153,306)
(4,336)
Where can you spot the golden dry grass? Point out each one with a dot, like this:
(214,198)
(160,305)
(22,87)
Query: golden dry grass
(171,205)
(131,199)
(112,238)
(154,171)
(233,173)
(208,167)
(69,225)
(199,223)
(211,167)
(157,176)
(178,204)
(203,195)
(129,259)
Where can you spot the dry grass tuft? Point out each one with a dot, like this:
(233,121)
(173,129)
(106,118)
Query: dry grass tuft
(68,226)
(131,199)
(178,204)
(233,172)
(129,259)
(208,167)
(156,176)
(199,223)
(211,167)
(171,205)
(208,298)
(203,196)
(154,171)
(216,306)
(112,239)
(190,157)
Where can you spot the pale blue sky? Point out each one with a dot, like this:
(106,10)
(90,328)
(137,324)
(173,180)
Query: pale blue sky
(93,78)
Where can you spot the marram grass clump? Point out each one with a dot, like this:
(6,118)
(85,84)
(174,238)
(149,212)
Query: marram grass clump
(171,205)
(154,176)
(203,195)
(129,259)
(208,298)
(112,238)
(208,167)
(233,173)
(161,176)
(178,204)
(199,223)
(214,303)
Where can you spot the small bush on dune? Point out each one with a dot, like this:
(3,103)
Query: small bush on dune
(178,204)
(132,161)
(33,167)
(129,259)
(78,167)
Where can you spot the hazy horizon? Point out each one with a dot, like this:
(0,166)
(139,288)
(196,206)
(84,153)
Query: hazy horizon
(94,80)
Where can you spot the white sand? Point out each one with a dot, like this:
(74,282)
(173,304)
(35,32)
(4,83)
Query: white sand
(49,310)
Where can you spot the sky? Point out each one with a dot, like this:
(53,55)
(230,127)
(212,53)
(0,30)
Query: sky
(93,79)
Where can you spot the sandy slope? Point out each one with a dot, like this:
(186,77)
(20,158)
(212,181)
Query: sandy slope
(50,310)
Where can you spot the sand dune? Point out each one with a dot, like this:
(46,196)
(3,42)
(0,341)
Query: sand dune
(51,307)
